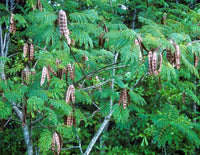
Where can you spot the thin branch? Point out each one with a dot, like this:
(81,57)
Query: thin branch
(138,82)
(72,147)
(12,55)
(79,142)
(96,105)
(38,120)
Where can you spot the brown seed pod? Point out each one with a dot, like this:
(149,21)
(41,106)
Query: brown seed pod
(73,73)
(63,26)
(27,74)
(70,120)
(12,24)
(101,40)
(170,57)
(56,140)
(136,42)
(150,57)
(31,56)
(124,98)
(154,63)
(51,70)
(23,75)
(73,93)
(196,60)
(177,54)
(69,68)
(39,5)
(70,90)
(48,75)
(160,62)
(44,74)
(25,50)
(120,98)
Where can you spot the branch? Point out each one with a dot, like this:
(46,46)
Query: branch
(79,142)
(36,121)
(72,147)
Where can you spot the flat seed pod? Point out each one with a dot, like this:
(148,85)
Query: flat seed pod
(12,24)
(120,98)
(68,94)
(160,62)
(27,74)
(44,74)
(51,70)
(124,98)
(39,5)
(56,140)
(31,52)
(73,93)
(69,68)
(23,75)
(177,55)
(48,75)
(62,18)
(154,63)
(196,60)
(150,56)
(170,57)
(70,120)
(53,143)
(25,50)
(101,40)
(73,73)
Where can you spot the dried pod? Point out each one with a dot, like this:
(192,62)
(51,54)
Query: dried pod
(27,74)
(73,73)
(70,120)
(56,140)
(68,94)
(63,26)
(44,74)
(160,62)
(25,50)
(73,93)
(48,75)
(69,68)
(124,98)
(31,56)
(137,43)
(170,57)
(23,75)
(60,73)
(177,54)
(150,57)
(154,63)
(196,60)
(101,40)
(12,24)
(51,70)
(39,5)
(120,98)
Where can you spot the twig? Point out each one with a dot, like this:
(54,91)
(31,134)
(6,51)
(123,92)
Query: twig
(72,147)
(39,119)
(79,142)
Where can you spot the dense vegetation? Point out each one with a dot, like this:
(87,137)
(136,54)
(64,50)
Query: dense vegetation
(99,77)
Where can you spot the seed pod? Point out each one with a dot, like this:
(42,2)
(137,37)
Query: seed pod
(124,98)
(44,74)
(177,54)
(39,5)
(160,63)
(73,73)
(31,52)
(170,57)
(23,75)
(196,60)
(56,140)
(150,57)
(48,75)
(138,44)
(65,119)
(154,63)
(73,93)
(69,68)
(27,74)
(120,98)
(60,73)
(12,24)
(70,120)
(101,40)
(68,94)
(51,70)
(25,50)
(63,26)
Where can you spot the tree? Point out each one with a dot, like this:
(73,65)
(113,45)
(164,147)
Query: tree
(73,72)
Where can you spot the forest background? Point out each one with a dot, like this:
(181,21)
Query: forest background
(99,77)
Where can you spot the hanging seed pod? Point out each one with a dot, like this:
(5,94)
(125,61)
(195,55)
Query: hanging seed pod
(160,62)
(70,120)
(23,75)
(128,97)
(124,98)
(60,73)
(31,52)
(154,63)
(170,57)
(69,68)
(48,75)
(56,140)
(12,24)
(65,119)
(120,98)
(150,57)
(39,5)
(68,94)
(51,70)
(73,73)
(177,54)
(25,50)
(27,74)
(101,40)
(63,26)
(136,42)
(196,60)
(73,93)
(44,74)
